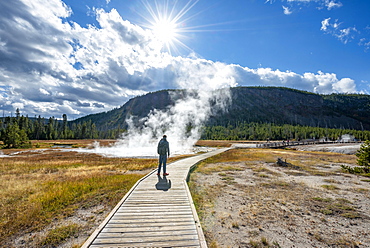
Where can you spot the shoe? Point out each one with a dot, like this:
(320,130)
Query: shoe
(165,174)
(158,174)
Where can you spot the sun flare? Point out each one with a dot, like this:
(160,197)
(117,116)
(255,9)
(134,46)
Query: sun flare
(165,30)
(168,22)
(172,21)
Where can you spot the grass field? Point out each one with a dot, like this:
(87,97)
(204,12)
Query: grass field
(43,189)
(53,198)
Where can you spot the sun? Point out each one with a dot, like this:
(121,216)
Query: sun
(168,22)
(172,22)
(165,30)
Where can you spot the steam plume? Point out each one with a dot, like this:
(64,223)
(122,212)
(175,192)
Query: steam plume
(208,92)
(182,123)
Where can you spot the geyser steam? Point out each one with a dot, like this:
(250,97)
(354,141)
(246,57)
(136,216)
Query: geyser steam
(207,92)
(182,123)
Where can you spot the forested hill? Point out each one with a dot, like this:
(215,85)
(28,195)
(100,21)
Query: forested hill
(288,106)
(256,104)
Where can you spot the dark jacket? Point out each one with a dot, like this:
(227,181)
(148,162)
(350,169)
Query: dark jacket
(163,147)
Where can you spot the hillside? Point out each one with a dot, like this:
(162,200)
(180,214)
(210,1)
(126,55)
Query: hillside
(255,104)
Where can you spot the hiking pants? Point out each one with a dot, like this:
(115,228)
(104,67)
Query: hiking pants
(162,161)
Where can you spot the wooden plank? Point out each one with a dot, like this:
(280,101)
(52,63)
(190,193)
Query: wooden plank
(163,243)
(153,211)
(144,229)
(167,199)
(157,195)
(150,211)
(153,208)
(161,205)
(147,239)
(150,208)
(145,221)
(127,228)
(159,199)
(153,216)
(152,223)
(154,233)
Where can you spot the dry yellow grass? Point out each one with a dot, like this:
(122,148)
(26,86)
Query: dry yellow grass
(41,188)
(214,143)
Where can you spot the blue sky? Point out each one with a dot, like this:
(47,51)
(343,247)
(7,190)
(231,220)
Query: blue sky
(89,56)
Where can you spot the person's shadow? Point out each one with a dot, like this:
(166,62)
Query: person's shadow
(163,183)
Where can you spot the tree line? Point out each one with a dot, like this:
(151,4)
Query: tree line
(15,132)
(270,131)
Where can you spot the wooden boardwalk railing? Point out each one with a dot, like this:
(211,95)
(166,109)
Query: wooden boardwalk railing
(157,212)
(281,144)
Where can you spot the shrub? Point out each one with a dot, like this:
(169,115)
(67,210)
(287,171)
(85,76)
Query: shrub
(353,170)
(363,160)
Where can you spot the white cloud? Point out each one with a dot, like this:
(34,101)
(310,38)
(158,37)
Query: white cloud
(335,28)
(323,83)
(43,91)
(287,11)
(325,24)
(346,85)
(81,70)
(344,35)
(302,1)
(330,4)
(365,43)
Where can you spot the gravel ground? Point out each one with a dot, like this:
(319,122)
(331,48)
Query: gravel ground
(260,204)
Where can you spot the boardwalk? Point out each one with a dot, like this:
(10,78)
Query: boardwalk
(282,144)
(157,212)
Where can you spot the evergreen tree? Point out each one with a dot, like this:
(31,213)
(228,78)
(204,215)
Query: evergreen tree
(65,130)
(363,156)
(13,137)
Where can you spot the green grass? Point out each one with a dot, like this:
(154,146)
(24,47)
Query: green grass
(329,187)
(263,243)
(58,235)
(320,199)
(331,181)
(204,200)
(203,168)
(339,206)
(277,184)
(228,178)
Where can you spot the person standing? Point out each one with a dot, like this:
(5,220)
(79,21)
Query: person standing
(163,150)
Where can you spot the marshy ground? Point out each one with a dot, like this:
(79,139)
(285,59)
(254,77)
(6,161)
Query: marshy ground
(245,200)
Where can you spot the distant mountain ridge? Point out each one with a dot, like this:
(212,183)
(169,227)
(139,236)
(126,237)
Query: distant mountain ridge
(255,104)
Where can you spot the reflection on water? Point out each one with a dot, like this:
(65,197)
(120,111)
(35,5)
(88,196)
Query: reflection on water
(150,151)
(61,146)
